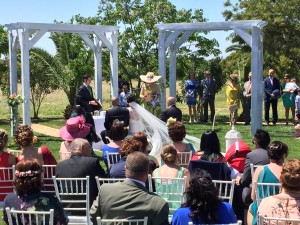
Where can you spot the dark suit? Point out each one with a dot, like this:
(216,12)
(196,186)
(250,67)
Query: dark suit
(172,111)
(207,94)
(129,199)
(268,89)
(116,112)
(84,96)
(79,165)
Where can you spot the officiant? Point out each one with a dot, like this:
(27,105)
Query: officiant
(150,93)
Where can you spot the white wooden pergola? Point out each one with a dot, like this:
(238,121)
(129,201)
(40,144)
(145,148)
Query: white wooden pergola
(173,35)
(25,35)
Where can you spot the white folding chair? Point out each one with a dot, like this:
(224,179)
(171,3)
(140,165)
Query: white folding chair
(122,221)
(238,223)
(14,152)
(101,181)
(73,193)
(225,189)
(253,168)
(30,217)
(263,190)
(112,158)
(49,172)
(184,158)
(7,175)
(64,155)
(170,189)
(262,220)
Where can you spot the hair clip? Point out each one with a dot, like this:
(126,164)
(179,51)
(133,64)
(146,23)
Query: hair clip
(29,173)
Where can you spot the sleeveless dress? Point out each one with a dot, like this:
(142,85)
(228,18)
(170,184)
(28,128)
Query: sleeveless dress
(4,163)
(265,176)
(163,189)
(191,90)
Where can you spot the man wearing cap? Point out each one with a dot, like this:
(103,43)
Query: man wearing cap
(247,99)
(272,93)
(81,164)
(150,93)
(116,112)
(85,96)
(171,111)
(207,95)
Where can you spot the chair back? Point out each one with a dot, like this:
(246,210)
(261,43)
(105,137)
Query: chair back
(112,158)
(73,193)
(170,189)
(122,221)
(263,190)
(225,189)
(64,155)
(49,172)
(14,152)
(238,223)
(184,158)
(7,175)
(217,170)
(30,217)
(101,181)
(253,168)
(262,220)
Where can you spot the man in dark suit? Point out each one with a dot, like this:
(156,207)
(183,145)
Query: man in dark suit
(207,95)
(171,111)
(130,199)
(116,112)
(85,96)
(81,164)
(259,156)
(272,93)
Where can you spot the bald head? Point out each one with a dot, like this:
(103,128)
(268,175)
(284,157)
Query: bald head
(114,101)
(137,166)
(80,145)
(271,72)
(171,101)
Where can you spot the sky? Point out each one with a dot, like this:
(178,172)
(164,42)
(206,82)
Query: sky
(43,11)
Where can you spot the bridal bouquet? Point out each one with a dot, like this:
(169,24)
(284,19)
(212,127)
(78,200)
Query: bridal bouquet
(14,100)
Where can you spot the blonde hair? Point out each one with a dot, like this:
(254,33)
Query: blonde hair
(290,175)
(168,154)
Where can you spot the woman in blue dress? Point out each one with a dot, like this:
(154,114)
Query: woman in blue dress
(191,86)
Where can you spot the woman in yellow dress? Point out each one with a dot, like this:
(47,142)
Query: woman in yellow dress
(150,93)
(233,93)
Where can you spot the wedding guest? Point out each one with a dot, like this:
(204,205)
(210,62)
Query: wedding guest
(191,85)
(28,184)
(233,93)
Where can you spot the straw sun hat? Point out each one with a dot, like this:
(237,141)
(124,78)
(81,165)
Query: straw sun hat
(149,77)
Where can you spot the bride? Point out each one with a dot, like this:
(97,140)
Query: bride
(156,130)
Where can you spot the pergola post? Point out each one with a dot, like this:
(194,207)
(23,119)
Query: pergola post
(257,80)
(98,68)
(172,79)
(162,66)
(114,63)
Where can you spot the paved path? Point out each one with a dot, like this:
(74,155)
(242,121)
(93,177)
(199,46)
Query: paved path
(53,132)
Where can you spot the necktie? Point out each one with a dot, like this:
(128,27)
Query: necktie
(271,80)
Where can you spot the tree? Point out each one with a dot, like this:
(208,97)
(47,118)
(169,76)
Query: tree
(137,47)
(44,77)
(281,35)
(4,63)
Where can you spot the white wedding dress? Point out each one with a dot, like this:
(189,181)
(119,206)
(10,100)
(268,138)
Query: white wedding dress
(155,129)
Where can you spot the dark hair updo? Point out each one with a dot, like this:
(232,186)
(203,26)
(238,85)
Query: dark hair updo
(23,135)
(277,150)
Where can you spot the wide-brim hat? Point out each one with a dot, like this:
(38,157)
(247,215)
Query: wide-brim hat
(149,77)
(75,128)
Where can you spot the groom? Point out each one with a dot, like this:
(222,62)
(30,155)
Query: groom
(116,112)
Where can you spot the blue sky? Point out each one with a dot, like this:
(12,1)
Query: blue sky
(43,11)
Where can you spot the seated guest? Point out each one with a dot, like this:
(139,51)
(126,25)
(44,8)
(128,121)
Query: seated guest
(210,149)
(177,132)
(81,164)
(116,135)
(116,112)
(203,205)
(171,111)
(170,168)
(6,160)
(130,199)
(270,173)
(76,127)
(287,203)
(28,197)
(140,136)
(24,138)
(128,146)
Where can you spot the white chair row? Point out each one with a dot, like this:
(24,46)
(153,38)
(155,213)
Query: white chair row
(238,223)
(264,220)
(263,190)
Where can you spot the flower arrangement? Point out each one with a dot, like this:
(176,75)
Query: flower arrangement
(14,100)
